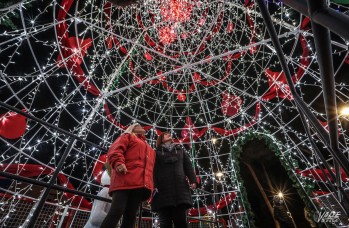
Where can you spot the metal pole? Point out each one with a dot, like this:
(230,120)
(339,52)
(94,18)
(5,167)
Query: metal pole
(199,219)
(336,22)
(324,56)
(214,201)
(140,215)
(325,163)
(37,208)
(300,104)
(64,214)
(29,116)
(56,187)
(214,198)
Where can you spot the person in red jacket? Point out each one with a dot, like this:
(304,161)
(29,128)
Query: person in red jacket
(132,162)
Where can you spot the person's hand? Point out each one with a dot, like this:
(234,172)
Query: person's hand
(193,186)
(121,169)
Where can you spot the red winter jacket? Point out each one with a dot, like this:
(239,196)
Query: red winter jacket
(139,159)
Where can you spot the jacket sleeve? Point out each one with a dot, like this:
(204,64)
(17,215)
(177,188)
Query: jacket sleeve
(116,153)
(188,168)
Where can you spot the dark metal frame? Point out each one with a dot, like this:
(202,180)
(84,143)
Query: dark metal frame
(79,193)
(324,52)
(54,186)
(213,195)
(300,104)
(317,9)
(323,19)
(37,209)
(29,116)
(321,14)
(51,184)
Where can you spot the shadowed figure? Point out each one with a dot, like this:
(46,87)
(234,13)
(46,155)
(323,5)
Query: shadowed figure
(281,214)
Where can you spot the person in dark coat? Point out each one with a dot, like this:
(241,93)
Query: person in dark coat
(132,163)
(172,196)
(281,214)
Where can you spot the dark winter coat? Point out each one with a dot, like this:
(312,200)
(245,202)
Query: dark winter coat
(170,178)
(139,159)
(281,215)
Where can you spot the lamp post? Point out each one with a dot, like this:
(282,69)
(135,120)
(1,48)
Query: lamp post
(219,176)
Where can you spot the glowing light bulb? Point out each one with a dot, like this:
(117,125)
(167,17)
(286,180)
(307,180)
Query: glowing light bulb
(345,111)
(219,174)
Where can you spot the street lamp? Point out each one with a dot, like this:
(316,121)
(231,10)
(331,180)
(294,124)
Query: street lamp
(219,176)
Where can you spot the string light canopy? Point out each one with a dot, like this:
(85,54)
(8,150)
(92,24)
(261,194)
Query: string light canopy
(205,71)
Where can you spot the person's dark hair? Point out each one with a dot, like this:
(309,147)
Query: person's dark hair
(160,139)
